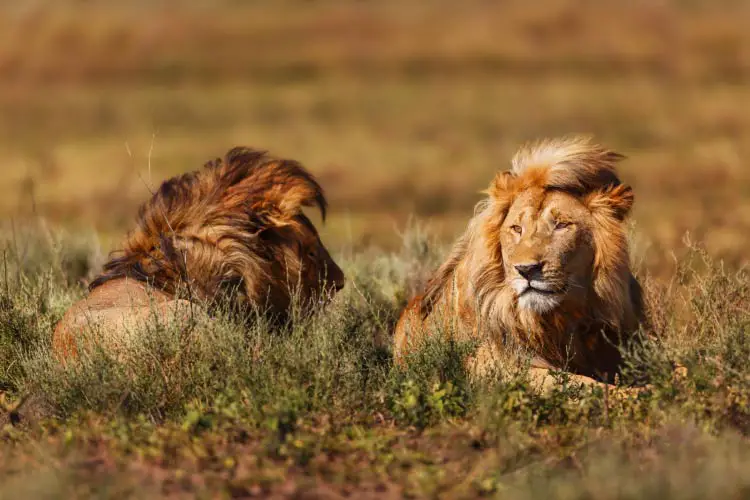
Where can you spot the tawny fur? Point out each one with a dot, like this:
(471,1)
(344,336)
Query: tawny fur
(113,313)
(568,194)
(232,233)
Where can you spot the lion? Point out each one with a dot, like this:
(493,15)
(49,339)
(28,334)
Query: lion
(543,267)
(230,235)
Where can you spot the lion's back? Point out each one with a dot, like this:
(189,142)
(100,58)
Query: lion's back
(111,313)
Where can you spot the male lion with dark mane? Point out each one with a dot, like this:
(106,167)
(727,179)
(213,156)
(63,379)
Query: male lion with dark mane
(543,266)
(231,234)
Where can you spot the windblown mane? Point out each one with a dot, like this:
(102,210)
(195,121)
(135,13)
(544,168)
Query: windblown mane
(571,164)
(202,232)
(474,269)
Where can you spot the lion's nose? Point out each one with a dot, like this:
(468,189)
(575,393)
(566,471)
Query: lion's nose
(530,271)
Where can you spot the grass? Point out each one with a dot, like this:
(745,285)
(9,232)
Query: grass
(206,408)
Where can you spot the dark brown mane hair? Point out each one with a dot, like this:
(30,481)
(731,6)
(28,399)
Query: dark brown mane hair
(209,231)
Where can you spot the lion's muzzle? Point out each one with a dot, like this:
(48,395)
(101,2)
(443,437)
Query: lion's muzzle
(533,290)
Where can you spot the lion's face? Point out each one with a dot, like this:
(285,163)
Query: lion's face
(320,273)
(547,249)
(305,265)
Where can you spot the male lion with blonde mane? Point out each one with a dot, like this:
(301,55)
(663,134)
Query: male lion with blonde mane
(543,266)
(230,234)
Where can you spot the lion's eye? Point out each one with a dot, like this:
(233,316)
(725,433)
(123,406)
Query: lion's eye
(516,228)
(561,225)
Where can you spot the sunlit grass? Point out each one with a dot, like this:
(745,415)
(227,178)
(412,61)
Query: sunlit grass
(230,407)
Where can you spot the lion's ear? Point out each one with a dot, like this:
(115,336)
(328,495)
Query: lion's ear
(614,201)
(502,188)
(303,193)
(285,200)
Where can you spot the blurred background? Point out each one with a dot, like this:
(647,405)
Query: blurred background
(402,108)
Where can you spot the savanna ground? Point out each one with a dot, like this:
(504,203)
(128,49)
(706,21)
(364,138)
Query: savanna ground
(402,109)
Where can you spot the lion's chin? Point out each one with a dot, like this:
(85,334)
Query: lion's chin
(539,302)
